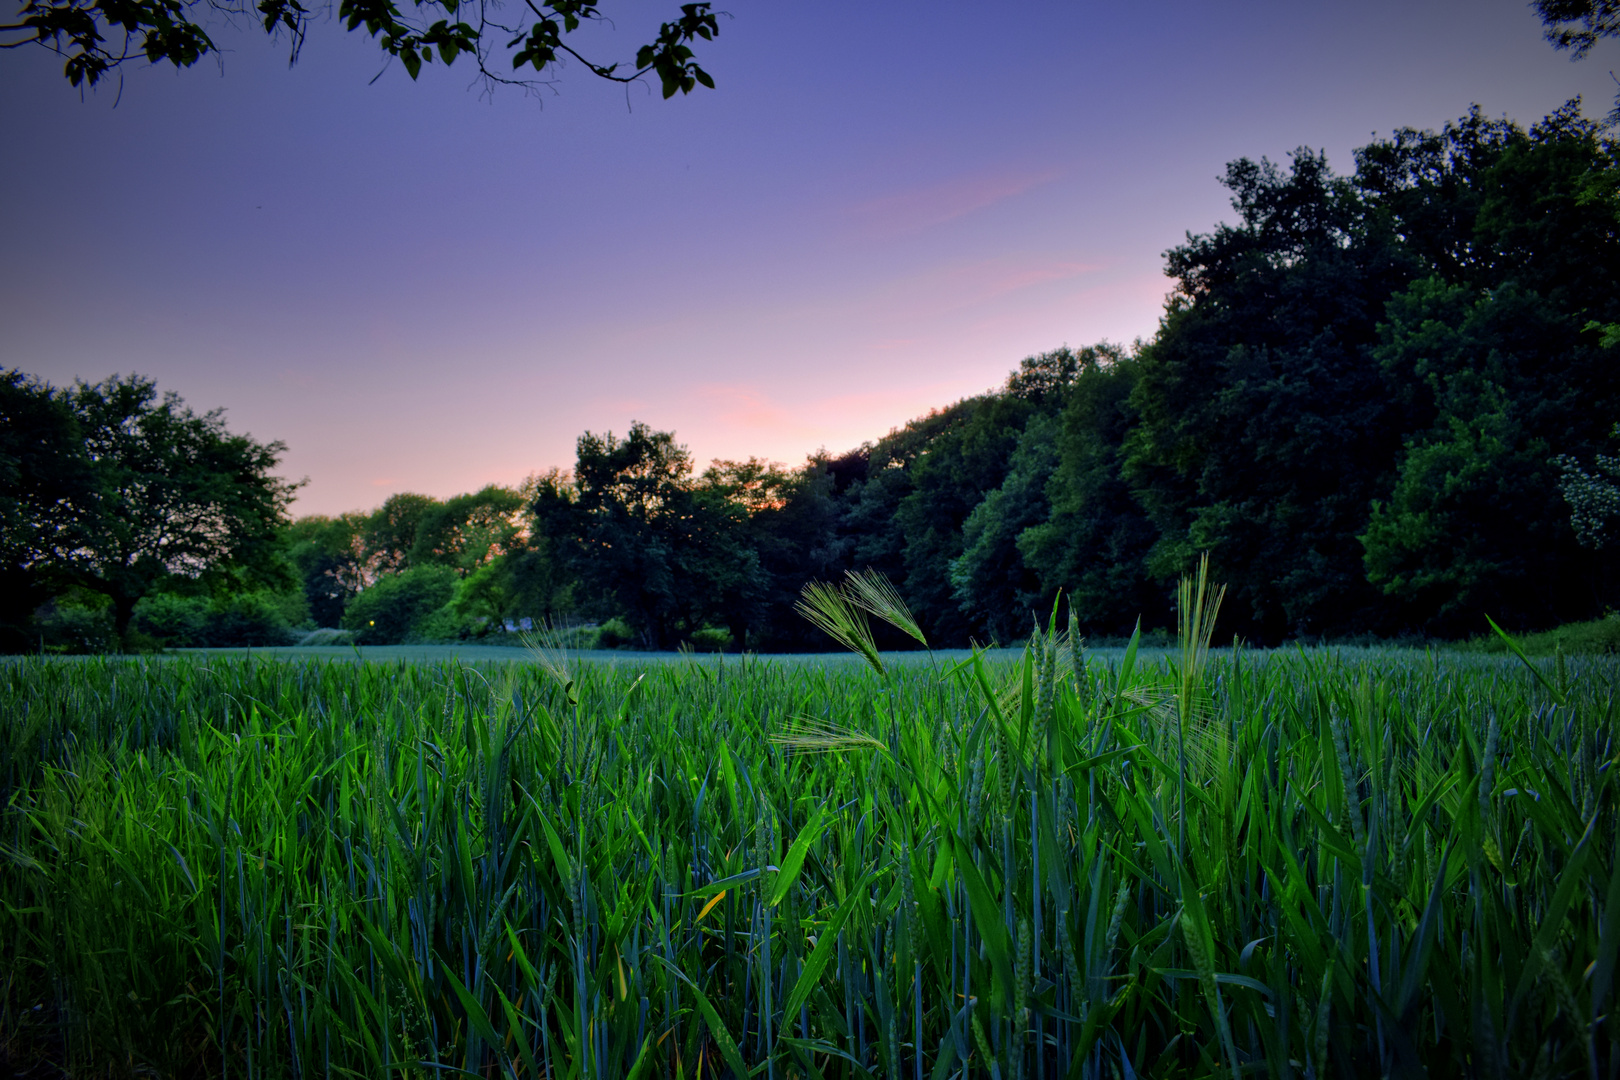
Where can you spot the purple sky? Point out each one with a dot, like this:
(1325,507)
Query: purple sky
(881,209)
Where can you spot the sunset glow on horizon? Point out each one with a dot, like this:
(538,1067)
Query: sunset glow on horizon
(879,211)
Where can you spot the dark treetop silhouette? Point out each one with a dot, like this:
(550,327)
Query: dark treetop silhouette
(97,36)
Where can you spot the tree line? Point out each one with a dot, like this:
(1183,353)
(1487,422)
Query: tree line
(1383,403)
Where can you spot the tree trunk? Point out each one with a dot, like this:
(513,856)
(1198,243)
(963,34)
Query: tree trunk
(123,611)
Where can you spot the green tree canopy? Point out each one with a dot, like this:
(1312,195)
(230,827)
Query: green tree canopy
(652,545)
(1355,392)
(329,556)
(1094,542)
(170,494)
(996,591)
(1495,366)
(1263,431)
(466,532)
(388,541)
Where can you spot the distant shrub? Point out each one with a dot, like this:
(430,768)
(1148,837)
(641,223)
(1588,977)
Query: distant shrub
(447,624)
(247,620)
(389,611)
(175,621)
(73,626)
(711,639)
(1596,636)
(615,634)
(199,622)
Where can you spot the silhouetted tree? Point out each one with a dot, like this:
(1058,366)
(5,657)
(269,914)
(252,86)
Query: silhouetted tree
(44,473)
(97,36)
(653,546)
(170,494)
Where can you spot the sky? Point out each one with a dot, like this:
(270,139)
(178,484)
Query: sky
(881,208)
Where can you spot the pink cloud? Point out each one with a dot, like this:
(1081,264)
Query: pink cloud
(943,291)
(995,278)
(744,406)
(935,204)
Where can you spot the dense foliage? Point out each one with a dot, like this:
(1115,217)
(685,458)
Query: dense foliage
(1356,395)
(108,490)
(1289,865)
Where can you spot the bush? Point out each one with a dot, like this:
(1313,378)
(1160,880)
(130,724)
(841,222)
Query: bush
(76,625)
(388,612)
(615,634)
(176,621)
(197,622)
(293,607)
(447,624)
(249,619)
(1596,636)
(711,639)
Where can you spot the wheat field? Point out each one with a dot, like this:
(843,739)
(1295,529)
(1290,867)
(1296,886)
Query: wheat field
(1301,863)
